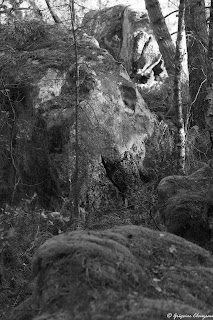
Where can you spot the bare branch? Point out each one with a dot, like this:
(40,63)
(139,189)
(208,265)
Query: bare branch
(169,14)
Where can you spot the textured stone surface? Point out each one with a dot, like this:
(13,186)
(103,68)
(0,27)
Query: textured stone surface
(112,115)
(127,35)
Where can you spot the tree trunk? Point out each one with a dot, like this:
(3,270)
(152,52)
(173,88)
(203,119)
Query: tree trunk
(162,35)
(75,186)
(209,96)
(197,41)
(180,134)
(52,12)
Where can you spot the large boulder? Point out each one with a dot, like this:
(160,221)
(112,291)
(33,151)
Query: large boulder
(124,273)
(185,205)
(127,35)
(113,118)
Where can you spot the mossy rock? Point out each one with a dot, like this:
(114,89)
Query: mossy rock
(127,272)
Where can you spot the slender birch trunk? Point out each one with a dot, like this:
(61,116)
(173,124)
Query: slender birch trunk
(180,134)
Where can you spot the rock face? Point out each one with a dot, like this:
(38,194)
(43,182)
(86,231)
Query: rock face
(127,35)
(186,205)
(123,273)
(112,116)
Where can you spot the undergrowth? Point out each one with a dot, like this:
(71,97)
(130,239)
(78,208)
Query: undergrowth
(22,34)
(22,231)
